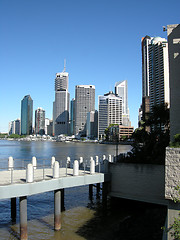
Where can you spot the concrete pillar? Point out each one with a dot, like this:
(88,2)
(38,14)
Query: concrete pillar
(23,218)
(52,161)
(56,169)
(29,173)
(62,200)
(76,168)
(13,210)
(97,189)
(10,163)
(173,212)
(34,162)
(92,166)
(90,191)
(57,209)
(104,194)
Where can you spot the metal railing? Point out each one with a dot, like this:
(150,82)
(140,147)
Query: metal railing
(46,166)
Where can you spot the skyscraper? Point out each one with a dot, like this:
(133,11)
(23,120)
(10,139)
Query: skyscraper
(84,103)
(110,112)
(155,70)
(92,124)
(145,42)
(121,90)
(61,104)
(26,115)
(72,116)
(40,121)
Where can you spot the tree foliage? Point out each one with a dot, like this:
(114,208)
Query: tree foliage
(176,142)
(149,147)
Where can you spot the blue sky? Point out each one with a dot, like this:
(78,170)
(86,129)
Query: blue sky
(100,40)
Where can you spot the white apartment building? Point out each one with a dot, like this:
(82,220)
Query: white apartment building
(110,112)
(14,127)
(84,103)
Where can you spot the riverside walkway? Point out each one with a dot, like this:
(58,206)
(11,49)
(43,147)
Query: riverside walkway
(21,183)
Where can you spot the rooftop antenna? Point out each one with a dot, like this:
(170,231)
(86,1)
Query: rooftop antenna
(64,65)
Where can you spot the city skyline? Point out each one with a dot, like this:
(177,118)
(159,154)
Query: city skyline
(102,45)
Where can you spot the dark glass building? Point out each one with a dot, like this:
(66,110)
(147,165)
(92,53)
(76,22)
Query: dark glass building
(26,115)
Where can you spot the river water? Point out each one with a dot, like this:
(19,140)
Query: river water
(83,218)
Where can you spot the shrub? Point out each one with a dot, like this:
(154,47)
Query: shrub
(176,142)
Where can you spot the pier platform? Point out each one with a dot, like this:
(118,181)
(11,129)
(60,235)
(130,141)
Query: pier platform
(16,185)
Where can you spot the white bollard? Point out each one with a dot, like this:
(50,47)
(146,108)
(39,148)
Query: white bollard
(76,168)
(34,162)
(97,160)
(81,160)
(110,158)
(56,169)
(10,163)
(29,173)
(68,162)
(104,157)
(52,161)
(92,166)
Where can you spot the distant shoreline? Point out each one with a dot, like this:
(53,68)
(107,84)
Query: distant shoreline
(66,141)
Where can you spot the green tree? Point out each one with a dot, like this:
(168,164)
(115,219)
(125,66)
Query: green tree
(176,142)
(149,147)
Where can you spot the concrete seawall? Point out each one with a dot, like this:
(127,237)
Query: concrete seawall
(141,182)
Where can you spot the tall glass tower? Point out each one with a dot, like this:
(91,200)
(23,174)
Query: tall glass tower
(61,104)
(26,115)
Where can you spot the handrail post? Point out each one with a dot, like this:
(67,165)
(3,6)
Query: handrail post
(11,175)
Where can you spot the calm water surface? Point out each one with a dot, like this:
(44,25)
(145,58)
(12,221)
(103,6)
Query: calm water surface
(82,219)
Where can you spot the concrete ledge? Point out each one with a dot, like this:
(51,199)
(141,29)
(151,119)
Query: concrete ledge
(155,199)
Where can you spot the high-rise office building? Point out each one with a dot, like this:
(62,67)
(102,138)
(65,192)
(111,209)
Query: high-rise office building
(84,103)
(121,90)
(40,121)
(72,117)
(92,124)
(61,104)
(145,42)
(110,112)
(26,115)
(173,32)
(155,70)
